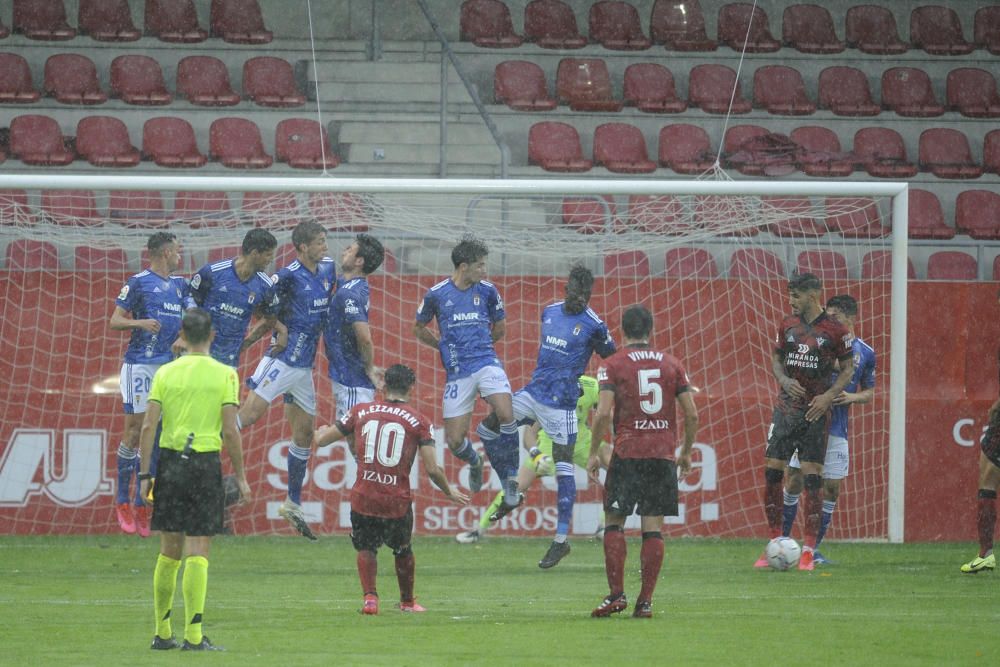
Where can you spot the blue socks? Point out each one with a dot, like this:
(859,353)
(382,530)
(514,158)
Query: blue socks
(828,507)
(789,513)
(128,465)
(566,485)
(466,452)
(298,463)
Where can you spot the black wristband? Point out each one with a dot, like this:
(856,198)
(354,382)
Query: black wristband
(142,476)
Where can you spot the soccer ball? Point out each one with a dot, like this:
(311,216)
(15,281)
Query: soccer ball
(782,553)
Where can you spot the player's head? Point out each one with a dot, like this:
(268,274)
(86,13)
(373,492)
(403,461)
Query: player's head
(578,288)
(844,309)
(163,247)
(399,379)
(309,239)
(196,327)
(259,246)
(637,322)
(469,258)
(803,293)
(365,255)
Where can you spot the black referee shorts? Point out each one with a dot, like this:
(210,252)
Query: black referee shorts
(368,533)
(188,495)
(790,432)
(647,487)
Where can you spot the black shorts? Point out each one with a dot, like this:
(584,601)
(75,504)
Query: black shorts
(790,432)
(647,487)
(368,533)
(990,443)
(188,495)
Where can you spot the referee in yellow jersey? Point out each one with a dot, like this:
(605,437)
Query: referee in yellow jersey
(198,399)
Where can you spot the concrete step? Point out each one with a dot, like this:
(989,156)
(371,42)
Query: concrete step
(368,153)
(396,132)
(388,93)
(379,71)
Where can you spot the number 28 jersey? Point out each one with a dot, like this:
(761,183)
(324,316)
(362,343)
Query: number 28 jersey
(646,383)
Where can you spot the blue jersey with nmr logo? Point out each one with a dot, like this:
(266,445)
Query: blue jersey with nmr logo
(232,303)
(465,321)
(863,378)
(150,296)
(348,305)
(303,306)
(567,342)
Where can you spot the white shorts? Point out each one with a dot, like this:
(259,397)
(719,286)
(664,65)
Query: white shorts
(275,378)
(460,395)
(347,397)
(835,465)
(135,381)
(559,424)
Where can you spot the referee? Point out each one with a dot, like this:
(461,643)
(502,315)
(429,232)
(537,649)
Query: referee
(198,399)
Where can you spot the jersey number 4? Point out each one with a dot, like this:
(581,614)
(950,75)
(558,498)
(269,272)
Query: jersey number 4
(383,441)
(650,391)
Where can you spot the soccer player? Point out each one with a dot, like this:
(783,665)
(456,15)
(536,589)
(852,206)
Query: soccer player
(150,304)
(470,319)
(813,362)
(303,290)
(198,398)
(861,389)
(571,332)
(381,502)
(640,390)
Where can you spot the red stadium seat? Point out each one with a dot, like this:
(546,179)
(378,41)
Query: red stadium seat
(520,84)
(991,152)
(908,92)
(204,209)
(271,210)
(755,151)
(140,209)
(845,92)
(926,219)
(628,264)
(204,80)
(946,153)
(710,87)
(686,149)
(219,254)
(938,31)
(487,23)
(138,79)
(42,19)
(977,213)
(88,258)
(236,143)
(591,215)
(107,21)
(756,263)
(615,25)
(303,144)
(741,23)
(14,209)
(657,214)
(174,21)
(72,79)
(824,264)
(689,263)
(556,147)
(794,217)
(38,140)
(270,82)
(4,30)
(650,87)
(238,22)
(986,30)
(973,92)
(781,90)
(31,255)
(952,265)
(621,148)
(104,142)
(854,217)
(809,29)
(872,29)
(170,142)
(551,24)
(821,153)
(996,268)
(877,265)
(880,151)
(341,211)
(680,26)
(585,85)
(73,208)
(725,215)
(16,86)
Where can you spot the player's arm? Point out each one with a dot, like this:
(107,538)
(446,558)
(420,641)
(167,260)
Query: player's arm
(819,405)
(232,443)
(543,465)
(122,321)
(263,326)
(499,330)
(864,396)
(686,401)
(332,433)
(436,475)
(366,349)
(425,335)
(602,427)
(790,385)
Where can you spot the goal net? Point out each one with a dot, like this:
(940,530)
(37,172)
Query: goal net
(710,259)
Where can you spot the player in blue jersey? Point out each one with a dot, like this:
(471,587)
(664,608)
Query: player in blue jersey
(571,333)
(151,305)
(470,319)
(233,291)
(303,289)
(861,389)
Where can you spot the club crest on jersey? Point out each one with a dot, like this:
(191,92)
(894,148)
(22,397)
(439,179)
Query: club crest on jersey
(820,342)
(251,298)
(576,330)
(475,300)
(790,339)
(178,290)
(326,285)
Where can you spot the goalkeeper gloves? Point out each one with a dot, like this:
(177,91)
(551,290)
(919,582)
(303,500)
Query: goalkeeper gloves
(544,465)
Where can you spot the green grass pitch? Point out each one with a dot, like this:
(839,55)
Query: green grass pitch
(284,601)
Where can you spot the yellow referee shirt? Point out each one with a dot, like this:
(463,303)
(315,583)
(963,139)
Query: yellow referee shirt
(191,392)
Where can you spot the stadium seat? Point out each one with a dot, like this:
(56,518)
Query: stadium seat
(585,85)
(341,211)
(14,209)
(42,19)
(73,208)
(238,22)
(821,154)
(650,88)
(137,79)
(303,144)
(952,265)
(556,146)
(710,87)
(16,86)
(756,263)
(590,215)
(946,153)
(881,152)
(854,217)
(872,29)
(977,213)
(173,21)
(996,268)
(725,215)
(628,264)
(793,217)
(680,26)
(991,152)
(236,143)
(755,151)
(270,82)
(824,264)
(615,25)
(38,140)
(270,210)
(809,29)
(487,23)
(908,92)
(219,254)
(845,92)
(88,258)
(170,142)
(742,24)
(107,21)
(104,142)
(204,209)
(986,30)
(204,80)
(663,214)
(31,255)
(973,92)
(140,209)
(686,149)
(781,91)
(689,263)
(621,148)
(521,85)
(938,31)
(926,219)
(72,79)
(551,24)
(4,30)
(877,265)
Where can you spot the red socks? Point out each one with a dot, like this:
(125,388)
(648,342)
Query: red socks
(774,504)
(614,558)
(652,559)
(367,570)
(405,567)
